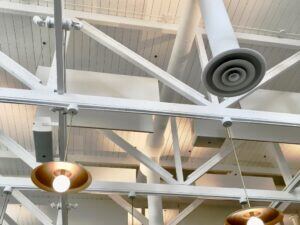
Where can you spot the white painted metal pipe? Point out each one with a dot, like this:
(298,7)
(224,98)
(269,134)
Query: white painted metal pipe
(154,203)
(155,207)
(218,26)
(177,64)
(182,47)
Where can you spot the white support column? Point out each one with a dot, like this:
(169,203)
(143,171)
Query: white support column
(176,149)
(282,164)
(155,208)
(125,205)
(185,36)
(18,150)
(225,150)
(190,208)
(204,60)
(270,75)
(168,177)
(20,73)
(153,70)
(39,214)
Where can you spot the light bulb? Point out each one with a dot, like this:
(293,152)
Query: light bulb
(61,183)
(255,221)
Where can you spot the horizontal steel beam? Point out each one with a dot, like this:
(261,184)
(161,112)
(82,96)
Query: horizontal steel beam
(213,112)
(218,193)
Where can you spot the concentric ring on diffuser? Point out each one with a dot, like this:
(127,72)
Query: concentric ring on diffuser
(234,72)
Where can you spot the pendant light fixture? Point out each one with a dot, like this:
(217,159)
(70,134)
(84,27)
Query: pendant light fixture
(249,215)
(62,176)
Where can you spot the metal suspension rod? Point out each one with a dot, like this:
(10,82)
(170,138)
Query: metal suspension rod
(61,89)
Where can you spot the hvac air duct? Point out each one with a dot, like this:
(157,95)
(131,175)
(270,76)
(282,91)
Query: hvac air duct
(233,70)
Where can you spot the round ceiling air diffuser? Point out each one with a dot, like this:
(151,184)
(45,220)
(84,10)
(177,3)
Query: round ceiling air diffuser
(234,72)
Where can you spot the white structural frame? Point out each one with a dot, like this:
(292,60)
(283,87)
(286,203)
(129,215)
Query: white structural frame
(176,149)
(203,192)
(20,73)
(282,164)
(209,109)
(128,207)
(39,214)
(184,213)
(225,150)
(213,112)
(134,152)
(153,70)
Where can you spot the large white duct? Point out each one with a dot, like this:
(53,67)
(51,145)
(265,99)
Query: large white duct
(182,47)
(155,207)
(233,70)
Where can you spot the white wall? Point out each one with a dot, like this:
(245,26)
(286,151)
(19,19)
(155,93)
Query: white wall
(89,212)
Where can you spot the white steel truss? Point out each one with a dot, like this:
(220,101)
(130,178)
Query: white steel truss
(190,208)
(20,73)
(43,96)
(125,205)
(144,64)
(213,112)
(176,149)
(39,214)
(168,177)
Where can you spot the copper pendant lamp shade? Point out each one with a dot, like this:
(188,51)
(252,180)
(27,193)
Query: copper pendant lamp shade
(269,216)
(44,175)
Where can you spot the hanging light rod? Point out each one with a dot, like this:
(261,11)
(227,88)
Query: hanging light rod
(249,215)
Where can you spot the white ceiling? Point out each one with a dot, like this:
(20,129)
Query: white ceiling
(31,46)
